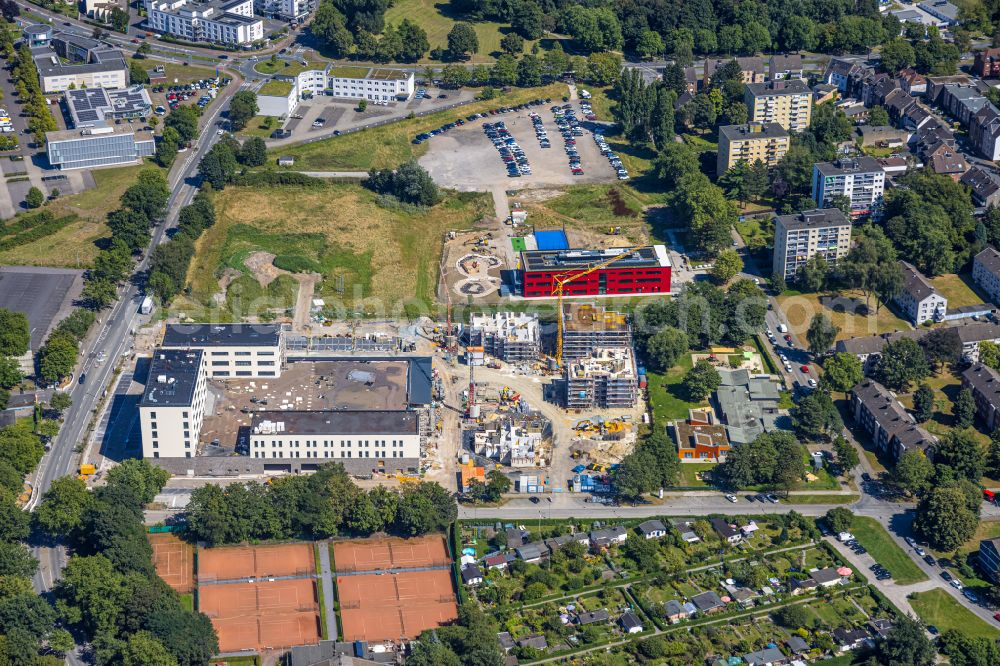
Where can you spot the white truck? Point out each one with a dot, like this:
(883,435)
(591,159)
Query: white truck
(146,307)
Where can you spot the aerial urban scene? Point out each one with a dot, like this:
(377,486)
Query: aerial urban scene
(482,333)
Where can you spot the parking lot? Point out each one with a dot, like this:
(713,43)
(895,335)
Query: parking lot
(528,128)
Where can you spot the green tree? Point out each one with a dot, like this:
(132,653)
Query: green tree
(425,507)
(906,643)
(14,333)
(497,484)
(989,354)
(242,107)
(144,649)
(964,409)
(902,362)
(839,519)
(16,560)
(961,451)
(512,43)
(841,372)
(912,472)
(847,454)
(57,357)
(462,41)
(923,403)
(816,418)
(897,54)
(137,74)
(942,346)
(35,198)
(878,115)
(649,45)
(504,70)
(821,334)
(10,373)
(603,69)
(944,518)
(14,523)
(728,264)
(253,152)
(62,506)
(665,347)
(700,380)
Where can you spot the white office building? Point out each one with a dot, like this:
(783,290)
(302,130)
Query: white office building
(860,179)
(91,147)
(219,22)
(235,351)
(172,408)
(335,435)
(286,10)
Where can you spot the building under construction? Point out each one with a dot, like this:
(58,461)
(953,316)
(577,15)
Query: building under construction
(514,440)
(509,336)
(605,379)
(587,328)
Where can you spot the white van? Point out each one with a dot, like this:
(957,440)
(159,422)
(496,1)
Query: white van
(782,328)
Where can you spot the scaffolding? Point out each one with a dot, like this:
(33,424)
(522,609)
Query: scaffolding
(607,379)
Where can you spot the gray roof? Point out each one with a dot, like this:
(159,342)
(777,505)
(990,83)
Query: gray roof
(989,258)
(891,415)
(766,656)
(222,335)
(674,607)
(331,653)
(827,575)
(630,620)
(820,218)
(797,644)
(753,131)
(849,636)
(505,640)
(419,381)
(985,381)
(173,375)
(471,572)
(983,182)
(649,526)
(530,551)
(724,529)
(863,164)
(782,87)
(338,422)
(874,344)
(608,533)
(707,601)
(536,641)
(592,617)
(915,284)
(784,63)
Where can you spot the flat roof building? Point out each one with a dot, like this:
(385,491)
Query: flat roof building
(172,407)
(218,21)
(94,107)
(824,232)
(588,327)
(767,142)
(860,179)
(233,350)
(78,66)
(97,147)
(642,271)
(508,336)
(787,102)
(607,379)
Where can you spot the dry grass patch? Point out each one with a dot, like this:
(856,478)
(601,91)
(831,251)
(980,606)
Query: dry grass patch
(847,311)
(957,290)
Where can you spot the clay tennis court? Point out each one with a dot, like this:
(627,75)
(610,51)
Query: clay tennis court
(237,562)
(378,607)
(263,615)
(174,561)
(386,554)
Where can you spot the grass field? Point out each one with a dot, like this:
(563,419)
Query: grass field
(987,530)
(179,73)
(939,608)
(276,88)
(689,474)
(845,310)
(258,126)
(350,71)
(956,289)
(73,246)
(755,235)
(884,550)
(430,15)
(821,499)
(664,394)
(389,145)
(187,601)
(595,209)
(388,258)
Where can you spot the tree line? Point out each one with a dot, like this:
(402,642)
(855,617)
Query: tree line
(317,506)
(169,261)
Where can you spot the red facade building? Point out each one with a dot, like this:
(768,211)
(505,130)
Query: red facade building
(987,64)
(645,271)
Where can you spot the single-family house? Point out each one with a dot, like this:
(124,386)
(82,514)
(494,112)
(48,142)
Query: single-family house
(652,529)
(797,645)
(506,641)
(630,623)
(516,537)
(608,536)
(728,533)
(497,562)
(771,656)
(686,529)
(592,617)
(879,627)
(675,611)
(472,575)
(531,552)
(536,641)
(827,577)
(849,639)
(749,529)
(797,586)
(708,602)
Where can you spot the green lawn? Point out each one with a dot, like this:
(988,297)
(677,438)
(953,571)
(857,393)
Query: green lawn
(884,550)
(187,601)
(956,289)
(350,71)
(287,67)
(389,145)
(939,608)
(754,234)
(987,530)
(689,474)
(259,126)
(428,15)
(821,499)
(665,400)
(276,88)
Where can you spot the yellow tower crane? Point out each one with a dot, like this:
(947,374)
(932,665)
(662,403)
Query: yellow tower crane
(562,279)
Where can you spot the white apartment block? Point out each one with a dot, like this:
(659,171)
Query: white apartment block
(235,351)
(220,22)
(172,407)
(379,84)
(288,10)
(986,272)
(919,300)
(860,179)
(787,102)
(798,238)
(335,435)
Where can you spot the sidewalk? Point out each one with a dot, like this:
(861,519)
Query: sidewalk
(326,580)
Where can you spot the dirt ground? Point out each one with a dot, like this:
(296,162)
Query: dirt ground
(450,155)
(306,386)
(472,264)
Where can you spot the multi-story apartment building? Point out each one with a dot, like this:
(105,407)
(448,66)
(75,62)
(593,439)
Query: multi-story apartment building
(785,67)
(824,232)
(381,436)
(919,300)
(986,272)
(752,68)
(987,63)
(281,95)
(988,558)
(786,102)
(219,21)
(891,427)
(860,179)
(508,336)
(232,350)
(93,147)
(767,142)
(172,407)
(607,379)
(984,132)
(984,383)
(286,10)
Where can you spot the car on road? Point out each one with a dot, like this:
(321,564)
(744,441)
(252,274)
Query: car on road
(970,595)
(83,378)
(731,498)
(804,368)
(955,583)
(929,559)
(534,500)
(910,541)
(996,616)
(945,575)
(771,498)
(812,382)
(920,551)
